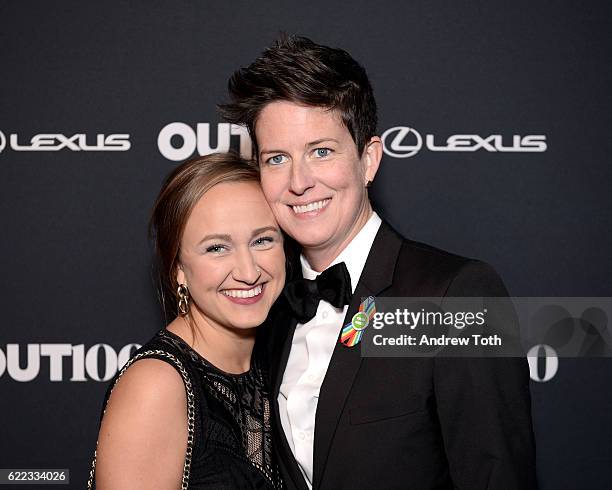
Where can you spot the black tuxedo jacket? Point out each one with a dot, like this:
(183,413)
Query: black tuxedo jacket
(413,423)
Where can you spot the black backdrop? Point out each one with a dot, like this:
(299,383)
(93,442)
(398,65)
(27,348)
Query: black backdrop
(75,259)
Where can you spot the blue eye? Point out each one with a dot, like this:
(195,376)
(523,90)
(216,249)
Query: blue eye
(276,160)
(216,248)
(323,152)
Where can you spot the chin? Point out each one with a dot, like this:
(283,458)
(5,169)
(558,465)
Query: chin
(250,321)
(245,325)
(310,234)
(311,240)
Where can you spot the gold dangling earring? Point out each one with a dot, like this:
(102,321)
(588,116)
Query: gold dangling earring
(182,292)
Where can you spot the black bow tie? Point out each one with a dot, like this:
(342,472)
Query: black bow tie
(332,285)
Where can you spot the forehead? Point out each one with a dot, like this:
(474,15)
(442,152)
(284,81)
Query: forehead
(290,123)
(230,208)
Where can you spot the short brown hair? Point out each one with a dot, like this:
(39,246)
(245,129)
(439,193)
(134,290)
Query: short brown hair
(296,69)
(180,192)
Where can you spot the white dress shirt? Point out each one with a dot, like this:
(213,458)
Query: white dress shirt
(311,351)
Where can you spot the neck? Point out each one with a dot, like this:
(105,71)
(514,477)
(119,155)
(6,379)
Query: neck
(227,348)
(319,258)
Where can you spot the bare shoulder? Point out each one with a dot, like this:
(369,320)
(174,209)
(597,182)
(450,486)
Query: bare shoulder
(143,435)
(147,380)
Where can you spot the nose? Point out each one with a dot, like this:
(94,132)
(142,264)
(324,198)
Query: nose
(245,268)
(302,177)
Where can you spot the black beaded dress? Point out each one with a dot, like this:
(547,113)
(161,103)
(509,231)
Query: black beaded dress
(229,427)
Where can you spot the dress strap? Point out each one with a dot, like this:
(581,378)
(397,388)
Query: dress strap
(171,359)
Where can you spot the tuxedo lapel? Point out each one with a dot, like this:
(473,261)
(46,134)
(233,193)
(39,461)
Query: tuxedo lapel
(287,323)
(284,324)
(377,275)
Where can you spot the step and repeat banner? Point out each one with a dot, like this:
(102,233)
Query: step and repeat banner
(496,120)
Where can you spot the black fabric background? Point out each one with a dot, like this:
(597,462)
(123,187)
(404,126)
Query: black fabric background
(73,244)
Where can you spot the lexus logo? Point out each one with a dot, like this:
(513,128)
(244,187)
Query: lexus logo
(406,142)
(58,141)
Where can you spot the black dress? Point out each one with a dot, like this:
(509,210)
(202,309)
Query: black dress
(229,431)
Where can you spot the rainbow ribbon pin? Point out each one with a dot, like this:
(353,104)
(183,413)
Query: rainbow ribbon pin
(352,332)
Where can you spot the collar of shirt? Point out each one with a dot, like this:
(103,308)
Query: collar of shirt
(354,254)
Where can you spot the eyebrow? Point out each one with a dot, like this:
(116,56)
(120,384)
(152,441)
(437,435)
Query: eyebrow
(307,145)
(227,238)
(322,140)
(265,228)
(264,152)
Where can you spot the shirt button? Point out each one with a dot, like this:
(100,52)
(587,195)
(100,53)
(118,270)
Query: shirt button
(324,315)
(311,377)
(301,436)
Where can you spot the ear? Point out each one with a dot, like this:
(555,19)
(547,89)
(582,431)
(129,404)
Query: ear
(180,275)
(372,155)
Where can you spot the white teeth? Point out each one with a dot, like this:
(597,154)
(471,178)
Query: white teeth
(243,293)
(313,206)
